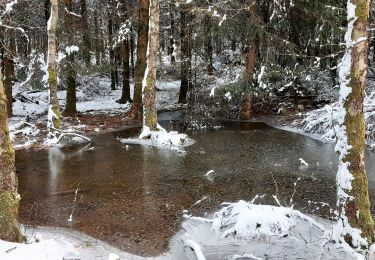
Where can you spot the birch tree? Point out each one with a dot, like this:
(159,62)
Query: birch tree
(150,119)
(54,114)
(355,225)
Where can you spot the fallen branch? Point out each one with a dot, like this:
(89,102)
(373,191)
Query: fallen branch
(67,192)
(196,248)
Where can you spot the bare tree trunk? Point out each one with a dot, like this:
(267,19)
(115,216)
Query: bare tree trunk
(86,34)
(97,38)
(111,52)
(140,65)
(71,99)
(184,56)
(171,50)
(150,118)
(356,224)
(54,115)
(251,64)
(208,43)
(132,52)
(9,73)
(125,95)
(9,197)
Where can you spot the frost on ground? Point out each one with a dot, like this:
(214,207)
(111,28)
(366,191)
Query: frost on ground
(322,122)
(161,138)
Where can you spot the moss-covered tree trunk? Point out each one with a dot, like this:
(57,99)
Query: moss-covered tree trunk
(352,185)
(150,119)
(54,114)
(9,198)
(140,65)
(71,99)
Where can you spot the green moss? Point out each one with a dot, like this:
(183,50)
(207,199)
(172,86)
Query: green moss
(9,226)
(362,10)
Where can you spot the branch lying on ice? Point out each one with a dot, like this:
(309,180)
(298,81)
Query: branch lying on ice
(196,248)
(73,134)
(62,134)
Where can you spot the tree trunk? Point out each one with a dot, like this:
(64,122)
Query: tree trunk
(171,50)
(9,197)
(86,34)
(111,52)
(125,96)
(97,39)
(208,44)
(132,51)
(140,65)
(150,118)
(71,99)
(8,79)
(352,186)
(54,115)
(184,56)
(250,70)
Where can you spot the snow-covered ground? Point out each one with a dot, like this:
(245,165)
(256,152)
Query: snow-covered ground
(241,230)
(94,96)
(320,123)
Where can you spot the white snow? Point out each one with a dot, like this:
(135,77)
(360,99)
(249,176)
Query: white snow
(160,138)
(71,49)
(303,162)
(241,229)
(245,229)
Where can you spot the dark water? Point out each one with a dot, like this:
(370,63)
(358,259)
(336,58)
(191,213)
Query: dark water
(134,198)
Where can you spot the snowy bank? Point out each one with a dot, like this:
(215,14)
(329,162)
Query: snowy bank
(244,230)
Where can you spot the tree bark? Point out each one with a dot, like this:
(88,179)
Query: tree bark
(141,61)
(251,66)
(86,34)
(353,199)
(132,68)
(54,115)
(9,197)
(71,99)
(184,35)
(111,52)
(150,118)
(97,39)
(208,44)
(171,50)
(9,73)
(125,95)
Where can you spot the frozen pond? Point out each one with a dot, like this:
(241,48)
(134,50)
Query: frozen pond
(133,196)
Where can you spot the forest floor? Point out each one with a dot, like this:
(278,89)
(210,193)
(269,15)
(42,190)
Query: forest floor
(98,111)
